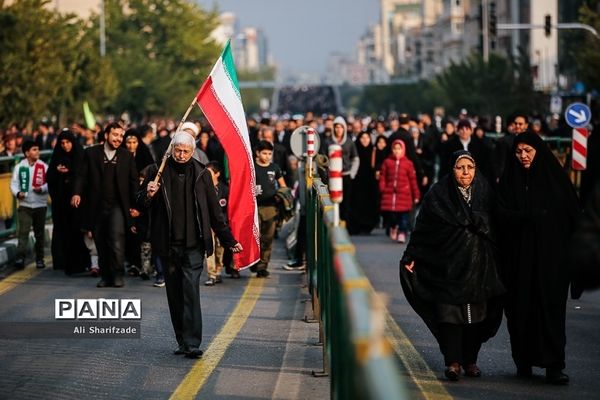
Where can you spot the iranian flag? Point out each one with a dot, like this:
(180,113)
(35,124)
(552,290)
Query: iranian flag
(220,101)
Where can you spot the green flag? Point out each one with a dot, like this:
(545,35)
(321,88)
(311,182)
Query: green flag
(90,121)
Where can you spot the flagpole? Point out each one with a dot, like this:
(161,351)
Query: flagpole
(168,151)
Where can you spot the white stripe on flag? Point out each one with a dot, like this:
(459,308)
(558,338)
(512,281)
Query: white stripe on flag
(224,91)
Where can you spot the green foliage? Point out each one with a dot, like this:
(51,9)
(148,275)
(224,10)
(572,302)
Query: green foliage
(588,58)
(161,52)
(158,53)
(411,98)
(502,86)
(44,62)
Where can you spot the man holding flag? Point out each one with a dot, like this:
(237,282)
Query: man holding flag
(183,208)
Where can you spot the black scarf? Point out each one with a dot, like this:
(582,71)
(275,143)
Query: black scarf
(184,226)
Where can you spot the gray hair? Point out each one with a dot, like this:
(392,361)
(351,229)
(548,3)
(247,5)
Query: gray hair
(183,138)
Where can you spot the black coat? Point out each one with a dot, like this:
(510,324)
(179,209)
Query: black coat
(208,210)
(88,184)
(538,210)
(585,246)
(454,250)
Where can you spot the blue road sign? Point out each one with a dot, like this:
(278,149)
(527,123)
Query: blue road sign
(578,115)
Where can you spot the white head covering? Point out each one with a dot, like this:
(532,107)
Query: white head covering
(191,126)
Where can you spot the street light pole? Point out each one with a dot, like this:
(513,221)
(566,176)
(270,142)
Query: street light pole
(102,30)
(485,27)
(568,25)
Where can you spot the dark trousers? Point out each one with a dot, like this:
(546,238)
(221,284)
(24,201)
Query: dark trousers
(183,268)
(109,237)
(268,223)
(345,204)
(26,218)
(460,343)
(301,239)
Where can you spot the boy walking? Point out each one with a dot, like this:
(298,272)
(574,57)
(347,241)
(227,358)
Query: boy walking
(214,263)
(28,185)
(268,179)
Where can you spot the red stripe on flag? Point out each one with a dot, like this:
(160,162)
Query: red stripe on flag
(242,203)
(335,174)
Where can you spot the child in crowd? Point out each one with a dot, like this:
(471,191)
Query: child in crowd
(268,179)
(399,191)
(221,256)
(142,223)
(28,185)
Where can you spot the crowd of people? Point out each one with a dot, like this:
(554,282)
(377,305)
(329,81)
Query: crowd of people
(487,209)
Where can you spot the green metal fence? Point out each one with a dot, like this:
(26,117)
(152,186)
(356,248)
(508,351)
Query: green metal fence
(356,353)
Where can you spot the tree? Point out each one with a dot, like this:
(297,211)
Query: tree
(501,86)
(161,51)
(46,66)
(588,58)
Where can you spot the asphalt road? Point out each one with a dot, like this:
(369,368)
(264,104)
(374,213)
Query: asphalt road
(269,355)
(379,257)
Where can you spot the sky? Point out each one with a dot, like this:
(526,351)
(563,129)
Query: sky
(302,33)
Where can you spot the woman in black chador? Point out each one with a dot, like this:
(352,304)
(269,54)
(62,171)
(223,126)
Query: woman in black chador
(448,271)
(68,249)
(539,208)
(365,200)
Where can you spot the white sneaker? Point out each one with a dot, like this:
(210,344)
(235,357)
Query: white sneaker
(401,237)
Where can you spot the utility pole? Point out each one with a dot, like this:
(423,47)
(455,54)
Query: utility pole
(485,31)
(102,30)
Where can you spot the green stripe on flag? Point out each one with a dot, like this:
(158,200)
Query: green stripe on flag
(229,65)
(90,121)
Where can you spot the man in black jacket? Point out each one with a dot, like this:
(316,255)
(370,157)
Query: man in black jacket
(105,187)
(184,208)
(465,140)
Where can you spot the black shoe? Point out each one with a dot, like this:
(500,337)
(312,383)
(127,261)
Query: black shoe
(19,263)
(119,281)
(253,268)
(218,279)
(235,274)
(473,371)
(102,284)
(210,282)
(524,371)
(39,264)
(556,377)
(194,353)
(295,267)
(181,349)
(262,273)
(144,276)
(452,372)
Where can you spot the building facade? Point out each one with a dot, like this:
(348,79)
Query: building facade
(419,39)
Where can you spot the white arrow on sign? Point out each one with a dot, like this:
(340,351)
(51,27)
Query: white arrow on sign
(579,116)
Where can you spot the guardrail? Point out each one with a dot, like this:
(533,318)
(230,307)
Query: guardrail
(356,352)
(8,203)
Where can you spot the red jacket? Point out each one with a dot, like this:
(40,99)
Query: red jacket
(398,184)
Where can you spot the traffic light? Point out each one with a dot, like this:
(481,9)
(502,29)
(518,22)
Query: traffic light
(548,25)
(493,22)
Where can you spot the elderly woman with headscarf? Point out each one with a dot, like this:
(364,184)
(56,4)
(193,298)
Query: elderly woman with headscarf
(448,271)
(68,249)
(539,208)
